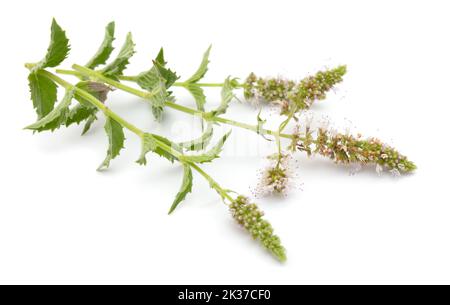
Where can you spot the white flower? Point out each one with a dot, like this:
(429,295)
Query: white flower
(278,177)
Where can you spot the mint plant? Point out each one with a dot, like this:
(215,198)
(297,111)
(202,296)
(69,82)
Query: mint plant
(86,99)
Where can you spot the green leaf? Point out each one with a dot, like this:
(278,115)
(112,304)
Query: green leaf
(150,78)
(116,139)
(85,111)
(186,187)
(227,96)
(157,80)
(160,57)
(148,143)
(57,50)
(169,76)
(151,142)
(153,82)
(198,94)
(118,65)
(202,69)
(80,113)
(56,117)
(91,119)
(43,94)
(210,155)
(105,48)
(201,142)
(160,64)
(158,100)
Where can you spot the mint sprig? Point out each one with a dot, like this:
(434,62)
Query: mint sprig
(85,100)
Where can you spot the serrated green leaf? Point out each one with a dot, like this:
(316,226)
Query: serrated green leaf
(56,117)
(91,119)
(160,57)
(198,94)
(169,76)
(158,100)
(116,138)
(186,187)
(80,113)
(201,142)
(43,94)
(57,50)
(153,82)
(202,69)
(118,65)
(105,48)
(157,80)
(210,155)
(148,79)
(227,96)
(149,142)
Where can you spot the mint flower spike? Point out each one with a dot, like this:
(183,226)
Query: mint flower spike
(249,216)
(278,178)
(288,93)
(346,148)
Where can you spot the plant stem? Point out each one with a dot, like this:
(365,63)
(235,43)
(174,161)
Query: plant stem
(134,79)
(212,182)
(83,71)
(183,84)
(108,112)
(280,130)
(92,100)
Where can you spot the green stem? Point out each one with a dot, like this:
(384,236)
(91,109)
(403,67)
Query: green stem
(83,71)
(100,77)
(184,84)
(108,112)
(92,100)
(280,130)
(212,182)
(134,79)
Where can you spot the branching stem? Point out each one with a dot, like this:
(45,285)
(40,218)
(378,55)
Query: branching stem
(93,75)
(140,133)
(134,79)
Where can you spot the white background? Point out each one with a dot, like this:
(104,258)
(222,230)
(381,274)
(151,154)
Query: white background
(61,221)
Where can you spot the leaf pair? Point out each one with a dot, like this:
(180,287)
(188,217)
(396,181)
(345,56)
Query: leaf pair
(62,114)
(157,80)
(159,145)
(186,185)
(209,155)
(201,142)
(227,95)
(43,90)
(118,65)
(191,83)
